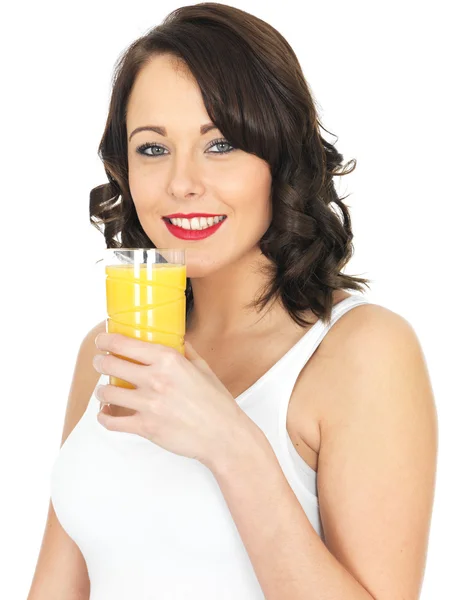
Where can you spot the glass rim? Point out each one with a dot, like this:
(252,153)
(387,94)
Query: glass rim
(147,249)
(176,257)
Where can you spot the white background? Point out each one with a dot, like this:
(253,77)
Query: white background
(377,71)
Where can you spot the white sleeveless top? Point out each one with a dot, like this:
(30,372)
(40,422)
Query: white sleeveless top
(153,525)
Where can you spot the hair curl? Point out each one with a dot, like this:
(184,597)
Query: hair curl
(254,91)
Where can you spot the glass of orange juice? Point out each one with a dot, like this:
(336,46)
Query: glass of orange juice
(146,296)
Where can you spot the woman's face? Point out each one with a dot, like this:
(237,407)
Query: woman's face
(185,172)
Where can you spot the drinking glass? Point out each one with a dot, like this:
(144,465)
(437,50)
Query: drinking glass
(146,297)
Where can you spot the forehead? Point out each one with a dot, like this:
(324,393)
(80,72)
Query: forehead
(165,93)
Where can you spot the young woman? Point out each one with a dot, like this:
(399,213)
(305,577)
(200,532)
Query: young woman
(291,453)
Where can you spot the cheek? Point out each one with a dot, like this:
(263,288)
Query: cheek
(255,194)
(145,190)
(242,177)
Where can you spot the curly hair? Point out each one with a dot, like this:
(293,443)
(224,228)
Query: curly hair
(255,93)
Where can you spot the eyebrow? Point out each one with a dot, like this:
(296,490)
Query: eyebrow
(162,130)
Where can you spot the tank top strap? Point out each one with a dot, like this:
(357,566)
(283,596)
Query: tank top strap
(319,330)
(290,371)
(305,348)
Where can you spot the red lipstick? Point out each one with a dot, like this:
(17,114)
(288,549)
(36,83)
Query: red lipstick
(190,215)
(192,234)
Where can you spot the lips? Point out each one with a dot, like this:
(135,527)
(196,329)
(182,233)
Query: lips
(190,216)
(191,234)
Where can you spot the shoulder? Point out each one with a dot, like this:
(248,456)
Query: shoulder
(85,374)
(88,348)
(89,338)
(364,334)
(368,324)
(86,353)
(368,352)
(84,379)
(368,345)
(368,333)
(369,342)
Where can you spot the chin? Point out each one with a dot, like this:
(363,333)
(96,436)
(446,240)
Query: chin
(198,266)
(197,271)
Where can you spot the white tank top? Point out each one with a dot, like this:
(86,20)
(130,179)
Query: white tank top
(153,525)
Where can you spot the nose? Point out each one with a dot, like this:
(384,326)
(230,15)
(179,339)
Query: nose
(185,178)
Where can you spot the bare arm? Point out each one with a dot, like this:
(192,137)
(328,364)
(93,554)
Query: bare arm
(61,572)
(376,477)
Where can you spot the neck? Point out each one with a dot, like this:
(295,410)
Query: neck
(220,300)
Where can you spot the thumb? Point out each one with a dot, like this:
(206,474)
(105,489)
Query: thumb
(192,355)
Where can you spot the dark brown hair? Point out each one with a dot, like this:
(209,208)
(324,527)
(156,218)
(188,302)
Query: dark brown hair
(254,91)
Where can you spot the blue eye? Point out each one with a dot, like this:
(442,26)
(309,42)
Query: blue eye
(221,142)
(142,149)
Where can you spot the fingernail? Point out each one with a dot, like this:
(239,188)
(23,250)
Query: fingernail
(98,391)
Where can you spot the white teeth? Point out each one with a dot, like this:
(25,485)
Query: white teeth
(196,223)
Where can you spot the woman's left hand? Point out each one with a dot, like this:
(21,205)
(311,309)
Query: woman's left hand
(180,403)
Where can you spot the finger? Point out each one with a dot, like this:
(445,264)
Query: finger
(123,369)
(129,424)
(141,351)
(113,394)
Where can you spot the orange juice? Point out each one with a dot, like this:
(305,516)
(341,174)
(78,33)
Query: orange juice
(147,302)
